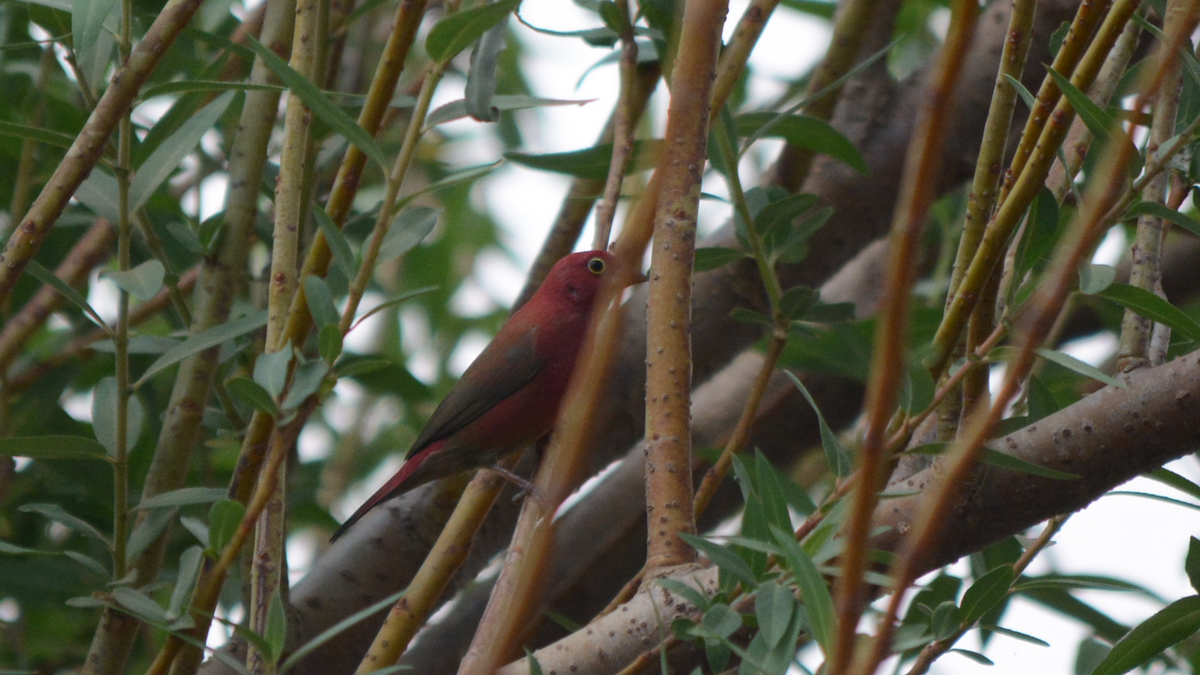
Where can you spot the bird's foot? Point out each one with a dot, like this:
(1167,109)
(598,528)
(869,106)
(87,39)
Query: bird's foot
(526,487)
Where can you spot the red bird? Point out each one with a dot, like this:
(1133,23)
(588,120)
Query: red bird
(508,398)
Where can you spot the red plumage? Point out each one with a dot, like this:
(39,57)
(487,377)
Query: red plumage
(509,396)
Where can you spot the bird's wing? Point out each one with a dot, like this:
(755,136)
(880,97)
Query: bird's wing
(501,370)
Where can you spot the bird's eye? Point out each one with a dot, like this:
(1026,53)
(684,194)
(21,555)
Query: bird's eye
(596,265)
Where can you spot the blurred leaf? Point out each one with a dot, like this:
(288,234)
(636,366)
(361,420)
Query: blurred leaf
(49,278)
(408,229)
(99,193)
(1026,96)
(13,549)
(1040,400)
(945,620)
(87,29)
(814,593)
(90,564)
(189,570)
(1095,278)
(456,32)
(974,656)
(1041,231)
(271,370)
(56,513)
(773,605)
(329,343)
(139,605)
(183,497)
(52,138)
(186,86)
(206,340)
(336,240)
(52,447)
(1087,370)
(455,110)
(1170,215)
(223,520)
(456,178)
(276,626)
(142,282)
(1191,564)
(714,257)
(148,530)
(592,162)
(835,455)
(729,562)
(1175,622)
(999,459)
(795,301)
(803,131)
(1153,308)
(320,302)
(253,394)
(1016,635)
(320,104)
(170,154)
(305,382)
(781,213)
(103,416)
(1098,122)
(986,592)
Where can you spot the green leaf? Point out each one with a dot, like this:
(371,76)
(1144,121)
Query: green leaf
(57,514)
(974,656)
(773,605)
(91,564)
(142,282)
(99,193)
(305,382)
(1170,215)
(271,370)
(104,416)
(47,277)
(1172,479)
(189,570)
(52,447)
(946,619)
(987,591)
(1098,122)
(36,134)
(13,549)
(186,86)
(320,302)
(337,243)
(999,459)
(592,162)
(1026,96)
(139,605)
(835,455)
(685,591)
(337,629)
(183,497)
(206,340)
(360,366)
(456,32)
(455,110)
(814,593)
(795,301)
(729,562)
(223,520)
(781,213)
(276,626)
(1041,230)
(714,257)
(457,178)
(1016,635)
(87,29)
(320,104)
(1152,307)
(170,154)
(1175,622)
(721,621)
(408,229)
(253,394)
(1087,370)
(1095,278)
(148,530)
(1041,401)
(329,343)
(1191,564)
(804,131)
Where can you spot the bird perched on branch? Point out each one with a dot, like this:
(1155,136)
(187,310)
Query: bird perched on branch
(509,396)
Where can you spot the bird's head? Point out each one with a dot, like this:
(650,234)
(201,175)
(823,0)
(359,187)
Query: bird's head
(577,277)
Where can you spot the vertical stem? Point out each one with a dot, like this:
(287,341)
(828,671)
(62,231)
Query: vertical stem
(917,190)
(1146,272)
(668,346)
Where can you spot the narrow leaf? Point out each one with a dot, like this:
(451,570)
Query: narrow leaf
(87,25)
(1087,370)
(728,561)
(320,302)
(814,593)
(147,531)
(1170,215)
(1098,122)
(592,162)
(183,497)
(206,340)
(456,32)
(53,138)
(189,570)
(142,282)
(337,243)
(455,110)
(987,591)
(1152,307)
(1191,564)
(408,229)
(714,257)
(320,104)
(1177,621)
(1095,278)
(223,520)
(403,297)
(835,454)
(57,514)
(45,276)
(253,394)
(999,459)
(52,447)
(104,416)
(271,370)
(806,132)
(139,605)
(169,155)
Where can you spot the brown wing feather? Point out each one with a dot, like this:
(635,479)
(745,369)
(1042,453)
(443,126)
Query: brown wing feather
(497,373)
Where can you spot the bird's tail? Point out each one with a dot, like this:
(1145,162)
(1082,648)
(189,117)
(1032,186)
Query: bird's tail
(393,488)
